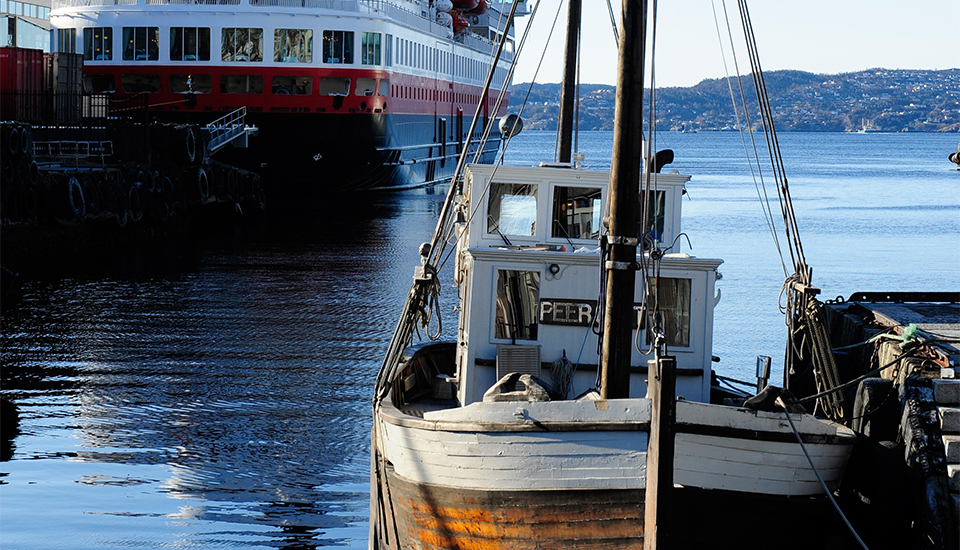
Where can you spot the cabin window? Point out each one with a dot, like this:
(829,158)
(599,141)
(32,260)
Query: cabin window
(67,40)
(518,293)
(383,87)
(512,209)
(655,215)
(141,43)
(388,50)
(98,83)
(189,44)
(98,44)
(292,85)
(576,212)
(241,84)
(241,44)
(334,85)
(674,296)
(338,47)
(191,84)
(370,48)
(366,86)
(135,83)
(293,45)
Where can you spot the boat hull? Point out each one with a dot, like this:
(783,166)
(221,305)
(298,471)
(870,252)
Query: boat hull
(434,517)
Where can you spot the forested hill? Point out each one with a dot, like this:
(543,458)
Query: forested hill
(884,99)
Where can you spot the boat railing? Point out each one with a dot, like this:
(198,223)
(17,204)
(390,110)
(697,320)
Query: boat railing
(226,129)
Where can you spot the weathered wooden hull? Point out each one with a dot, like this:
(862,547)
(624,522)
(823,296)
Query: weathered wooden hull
(433,517)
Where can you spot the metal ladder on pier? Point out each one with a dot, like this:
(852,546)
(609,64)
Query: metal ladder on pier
(230,128)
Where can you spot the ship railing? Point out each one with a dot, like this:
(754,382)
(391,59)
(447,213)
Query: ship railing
(226,129)
(57,4)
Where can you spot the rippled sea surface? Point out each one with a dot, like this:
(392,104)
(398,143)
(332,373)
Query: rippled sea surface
(222,401)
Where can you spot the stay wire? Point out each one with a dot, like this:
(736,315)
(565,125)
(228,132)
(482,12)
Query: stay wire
(760,186)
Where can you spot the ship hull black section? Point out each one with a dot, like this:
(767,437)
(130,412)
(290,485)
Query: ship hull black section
(350,151)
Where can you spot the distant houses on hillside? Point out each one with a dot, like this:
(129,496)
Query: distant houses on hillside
(888,100)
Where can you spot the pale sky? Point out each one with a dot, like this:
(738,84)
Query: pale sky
(820,36)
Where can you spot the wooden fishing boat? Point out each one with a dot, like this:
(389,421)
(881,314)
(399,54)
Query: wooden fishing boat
(524,430)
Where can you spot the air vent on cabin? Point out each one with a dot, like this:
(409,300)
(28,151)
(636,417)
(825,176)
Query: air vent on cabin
(521,359)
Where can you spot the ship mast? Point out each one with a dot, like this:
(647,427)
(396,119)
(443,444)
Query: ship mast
(624,205)
(568,93)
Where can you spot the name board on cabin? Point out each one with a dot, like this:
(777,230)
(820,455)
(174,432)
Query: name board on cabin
(577,313)
(574,313)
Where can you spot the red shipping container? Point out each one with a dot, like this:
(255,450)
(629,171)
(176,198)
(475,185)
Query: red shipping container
(21,70)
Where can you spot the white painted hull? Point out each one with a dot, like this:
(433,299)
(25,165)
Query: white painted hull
(576,445)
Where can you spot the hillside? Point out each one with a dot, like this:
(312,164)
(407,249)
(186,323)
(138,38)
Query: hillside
(887,100)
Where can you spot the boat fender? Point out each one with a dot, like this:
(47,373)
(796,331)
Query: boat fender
(76,202)
(876,409)
(13,140)
(136,205)
(533,389)
(773,399)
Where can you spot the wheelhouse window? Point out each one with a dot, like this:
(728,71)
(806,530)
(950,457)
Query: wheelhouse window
(512,209)
(518,295)
(334,85)
(338,47)
(383,88)
(655,215)
(189,44)
(388,50)
(241,44)
(191,83)
(98,83)
(67,40)
(370,48)
(366,86)
(98,44)
(135,83)
(576,212)
(674,297)
(141,43)
(293,45)
(241,84)
(292,85)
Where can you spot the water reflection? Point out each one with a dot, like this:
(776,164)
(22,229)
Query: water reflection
(220,403)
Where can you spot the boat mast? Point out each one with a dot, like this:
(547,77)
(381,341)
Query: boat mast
(568,94)
(622,224)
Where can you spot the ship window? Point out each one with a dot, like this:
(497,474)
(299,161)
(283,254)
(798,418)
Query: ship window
(388,50)
(293,45)
(67,40)
(292,85)
(338,47)
(334,85)
(370,48)
(241,44)
(512,209)
(576,212)
(366,86)
(191,84)
(189,44)
(518,294)
(141,43)
(383,87)
(655,215)
(98,44)
(674,296)
(98,83)
(134,83)
(241,84)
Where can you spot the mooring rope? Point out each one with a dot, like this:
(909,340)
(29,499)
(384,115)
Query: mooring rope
(823,483)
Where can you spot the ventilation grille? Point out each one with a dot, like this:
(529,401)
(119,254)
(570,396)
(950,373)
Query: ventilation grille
(522,359)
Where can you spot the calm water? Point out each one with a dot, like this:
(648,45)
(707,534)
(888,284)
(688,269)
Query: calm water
(224,402)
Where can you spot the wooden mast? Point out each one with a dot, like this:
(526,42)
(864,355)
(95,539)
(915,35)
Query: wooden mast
(568,90)
(623,220)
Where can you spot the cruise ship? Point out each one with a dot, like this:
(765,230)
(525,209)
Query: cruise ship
(345,94)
